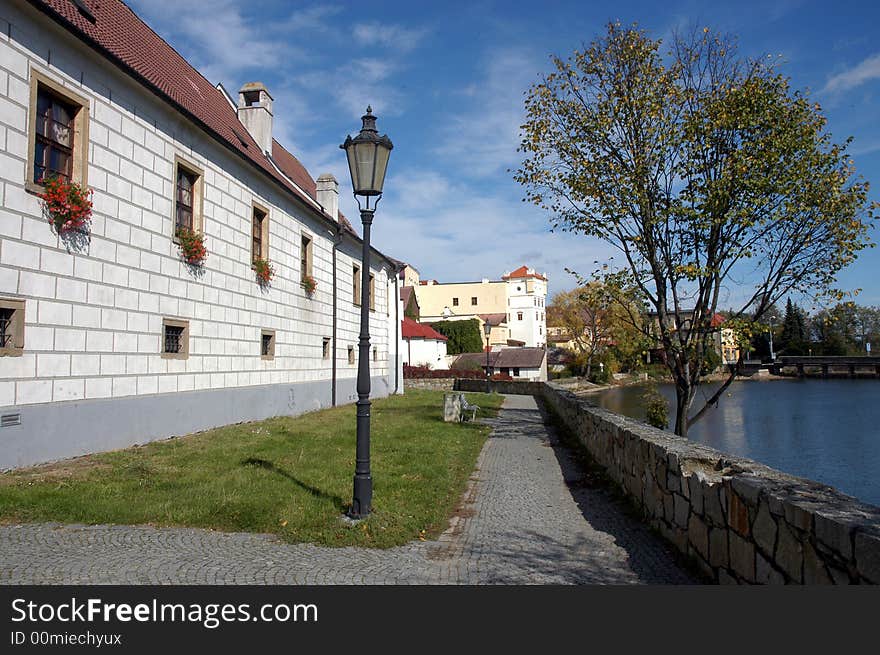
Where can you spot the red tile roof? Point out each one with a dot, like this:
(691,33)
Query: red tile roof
(527,357)
(522,272)
(494,319)
(413,330)
(121,36)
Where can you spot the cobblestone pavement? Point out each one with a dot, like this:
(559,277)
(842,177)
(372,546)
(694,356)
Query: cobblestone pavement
(525,519)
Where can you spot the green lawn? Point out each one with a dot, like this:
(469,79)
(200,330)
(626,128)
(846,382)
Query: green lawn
(287,476)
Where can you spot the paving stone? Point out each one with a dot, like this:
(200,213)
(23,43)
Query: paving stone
(526,519)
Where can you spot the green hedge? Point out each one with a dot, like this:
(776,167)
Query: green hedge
(464,336)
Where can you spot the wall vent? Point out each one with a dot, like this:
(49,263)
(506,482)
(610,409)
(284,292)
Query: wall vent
(8,420)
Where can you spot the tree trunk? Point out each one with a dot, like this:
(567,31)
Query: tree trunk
(683,396)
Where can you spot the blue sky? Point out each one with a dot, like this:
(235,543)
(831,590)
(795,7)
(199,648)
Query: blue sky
(447,80)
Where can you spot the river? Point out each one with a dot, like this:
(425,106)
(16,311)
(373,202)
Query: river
(825,430)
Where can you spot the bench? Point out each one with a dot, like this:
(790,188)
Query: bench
(467,407)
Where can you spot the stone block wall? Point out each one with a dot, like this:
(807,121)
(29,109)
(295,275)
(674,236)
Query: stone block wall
(513,387)
(740,521)
(432,384)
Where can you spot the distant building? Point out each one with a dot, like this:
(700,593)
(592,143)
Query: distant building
(423,346)
(410,303)
(514,306)
(723,339)
(527,363)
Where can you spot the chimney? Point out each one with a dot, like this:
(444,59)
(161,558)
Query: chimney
(328,194)
(255,113)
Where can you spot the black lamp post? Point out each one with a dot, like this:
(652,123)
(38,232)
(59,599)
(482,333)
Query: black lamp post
(487,329)
(367,161)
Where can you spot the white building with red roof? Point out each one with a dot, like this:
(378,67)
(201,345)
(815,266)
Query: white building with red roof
(423,345)
(107,336)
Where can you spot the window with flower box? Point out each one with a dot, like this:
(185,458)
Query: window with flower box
(188,194)
(57,133)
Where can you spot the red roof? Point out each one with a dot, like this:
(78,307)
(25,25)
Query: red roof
(717,320)
(413,330)
(493,319)
(523,272)
(121,36)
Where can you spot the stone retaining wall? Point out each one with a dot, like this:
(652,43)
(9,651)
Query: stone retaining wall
(740,521)
(514,387)
(432,384)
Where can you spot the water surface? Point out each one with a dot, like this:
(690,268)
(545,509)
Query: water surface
(825,430)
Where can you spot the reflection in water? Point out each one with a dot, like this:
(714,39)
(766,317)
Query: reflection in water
(826,430)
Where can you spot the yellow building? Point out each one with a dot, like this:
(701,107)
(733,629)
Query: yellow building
(513,306)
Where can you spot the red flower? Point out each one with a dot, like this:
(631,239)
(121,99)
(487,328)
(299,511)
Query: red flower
(192,246)
(67,204)
(264,270)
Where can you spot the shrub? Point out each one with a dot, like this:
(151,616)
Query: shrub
(656,409)
(464,336)
(423,372)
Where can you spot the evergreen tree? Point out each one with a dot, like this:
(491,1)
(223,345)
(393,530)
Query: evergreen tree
(793,340)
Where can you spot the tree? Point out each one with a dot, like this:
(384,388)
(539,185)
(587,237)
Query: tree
(598,316)
(704,170)
(585,318)
(846,328)
(794,339)
(464,336)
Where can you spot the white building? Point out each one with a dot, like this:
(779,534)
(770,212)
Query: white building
(526,294)
(513,306)
(108,337)
(423,346)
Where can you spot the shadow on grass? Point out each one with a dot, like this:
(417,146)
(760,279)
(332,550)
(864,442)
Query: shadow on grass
(314,491)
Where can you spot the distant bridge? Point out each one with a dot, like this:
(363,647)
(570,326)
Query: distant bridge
(828,365)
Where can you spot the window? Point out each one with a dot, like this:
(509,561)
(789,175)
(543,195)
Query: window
(516,371)
(11,327)
(325,348)
(356,284)
(351,354)
(267,344)
(519,316)
(305,258)
(259,234)
(187,204)
(175,339)
(505,370)
(473,300)
(455,302)
(375,354)
(57,133)
(372,292)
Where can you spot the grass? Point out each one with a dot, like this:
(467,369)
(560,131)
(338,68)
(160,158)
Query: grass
(291,477)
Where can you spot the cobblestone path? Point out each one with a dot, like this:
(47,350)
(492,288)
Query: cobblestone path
(526,519)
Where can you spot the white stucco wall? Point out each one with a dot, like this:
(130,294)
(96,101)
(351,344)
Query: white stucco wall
(94,317)
(425,352)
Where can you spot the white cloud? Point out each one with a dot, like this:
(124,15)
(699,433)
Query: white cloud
(230,47)
(453,232)
(482,139)
(391,36)
(866,70)
(356,84)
